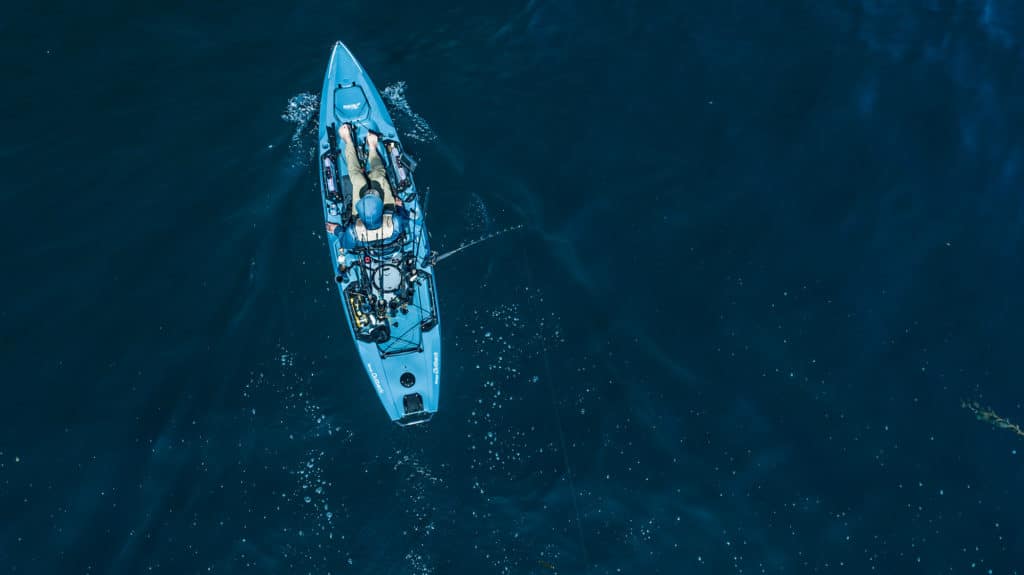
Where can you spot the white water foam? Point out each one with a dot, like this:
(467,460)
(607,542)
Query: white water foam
(408,122)
(477,215)
(502,344)
(302,110)
(419,486)
(308,440)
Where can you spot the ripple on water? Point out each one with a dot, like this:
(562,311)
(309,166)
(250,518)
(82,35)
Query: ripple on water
(308,442)
(407,122)
(301,111)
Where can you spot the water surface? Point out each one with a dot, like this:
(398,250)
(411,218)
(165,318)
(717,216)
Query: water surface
(769,250)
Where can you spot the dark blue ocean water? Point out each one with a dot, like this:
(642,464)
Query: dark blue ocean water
(771,249)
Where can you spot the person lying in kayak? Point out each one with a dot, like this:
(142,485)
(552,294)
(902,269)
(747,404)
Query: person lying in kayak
(373,202)
(378,180)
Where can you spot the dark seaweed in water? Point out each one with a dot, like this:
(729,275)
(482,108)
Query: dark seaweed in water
(769,253)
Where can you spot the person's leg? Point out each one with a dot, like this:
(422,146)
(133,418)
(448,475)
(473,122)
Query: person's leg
(377,172)
(355,170)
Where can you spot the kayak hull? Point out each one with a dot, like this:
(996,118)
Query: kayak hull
(405,368)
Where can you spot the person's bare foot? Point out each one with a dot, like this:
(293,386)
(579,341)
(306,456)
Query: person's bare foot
(345,132)
(371,140)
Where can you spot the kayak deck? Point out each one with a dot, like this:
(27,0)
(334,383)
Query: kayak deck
(387,287)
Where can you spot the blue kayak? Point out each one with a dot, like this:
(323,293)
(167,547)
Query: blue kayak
(382,260)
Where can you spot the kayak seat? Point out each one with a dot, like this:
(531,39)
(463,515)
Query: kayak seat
(350,104)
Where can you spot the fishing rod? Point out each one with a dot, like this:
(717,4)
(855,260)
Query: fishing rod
(466,245)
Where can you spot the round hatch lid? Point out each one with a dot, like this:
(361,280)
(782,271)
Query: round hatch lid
(387,278)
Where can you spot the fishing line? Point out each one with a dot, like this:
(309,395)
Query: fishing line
(483,238)
(561,432)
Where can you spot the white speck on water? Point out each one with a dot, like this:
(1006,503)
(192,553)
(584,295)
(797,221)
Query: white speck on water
(307,499)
